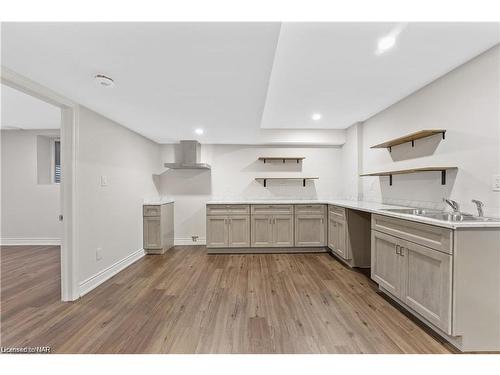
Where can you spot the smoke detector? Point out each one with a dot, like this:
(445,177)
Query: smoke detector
(104,81)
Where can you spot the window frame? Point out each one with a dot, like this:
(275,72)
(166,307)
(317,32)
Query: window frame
(53,160)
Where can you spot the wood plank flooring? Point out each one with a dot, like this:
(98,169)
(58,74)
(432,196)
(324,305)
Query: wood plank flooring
(186,301)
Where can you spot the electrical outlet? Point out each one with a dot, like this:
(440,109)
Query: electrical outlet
(104,180)
(495,182)
(194,238)
(98,254)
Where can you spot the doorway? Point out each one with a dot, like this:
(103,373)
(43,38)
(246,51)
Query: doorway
(55,151)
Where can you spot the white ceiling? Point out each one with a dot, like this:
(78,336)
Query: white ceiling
(333,69)
(172,78)
(21,111)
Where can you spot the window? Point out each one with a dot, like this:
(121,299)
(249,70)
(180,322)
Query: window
(57,161)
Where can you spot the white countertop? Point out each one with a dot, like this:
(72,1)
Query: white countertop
(372,207)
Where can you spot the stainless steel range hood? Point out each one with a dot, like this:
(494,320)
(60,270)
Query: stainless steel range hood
(187,156)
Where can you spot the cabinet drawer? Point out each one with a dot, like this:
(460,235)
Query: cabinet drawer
(424,234)
(228,209)
(306,209)
(151,210)
(335,211)
(272,209)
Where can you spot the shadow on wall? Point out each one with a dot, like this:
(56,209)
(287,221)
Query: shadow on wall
(185,182)
(423,147)
(273,166)
(426,189)
(281,189)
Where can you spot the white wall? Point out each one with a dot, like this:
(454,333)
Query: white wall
(351,161)
(234,168)
(110,217)
(29,210)
(465,102)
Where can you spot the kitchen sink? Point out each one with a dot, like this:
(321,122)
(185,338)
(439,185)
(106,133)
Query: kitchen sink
(458,217)
(411,211)
(440,215)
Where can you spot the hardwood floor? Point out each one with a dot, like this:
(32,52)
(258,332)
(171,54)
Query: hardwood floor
(186,301)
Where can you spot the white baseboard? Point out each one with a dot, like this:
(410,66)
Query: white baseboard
(30,241)
(189,241)
(100,277)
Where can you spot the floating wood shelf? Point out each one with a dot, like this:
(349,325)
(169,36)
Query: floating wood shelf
(285,158)
(413,170)
(410,138)
(264,179)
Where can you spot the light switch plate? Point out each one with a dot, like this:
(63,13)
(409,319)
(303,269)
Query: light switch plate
(98,254)
(495,182)
(104,180)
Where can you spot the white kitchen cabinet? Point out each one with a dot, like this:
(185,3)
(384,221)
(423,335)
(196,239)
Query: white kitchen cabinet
(337,237)
(217,231)
(262,231)
(428,283)
(386,267)
(272,230)
(152,232)
(158,227)
(228,226)
(228,231)
(418,276)
(310,226)
(283,231)
(238,231)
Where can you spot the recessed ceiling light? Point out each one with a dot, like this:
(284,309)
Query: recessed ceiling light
(199,131)
(316,116)
(386,43)
(104,81)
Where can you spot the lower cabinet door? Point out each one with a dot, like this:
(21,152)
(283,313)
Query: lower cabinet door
(386,263)
(427,289)
(261,231)
(309,230)
(217,231)
(239,231)
(283,231)
(339,233)
(152,232)
(332,236)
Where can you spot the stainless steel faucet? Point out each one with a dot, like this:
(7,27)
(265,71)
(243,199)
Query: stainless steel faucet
(453,204)
(479,206)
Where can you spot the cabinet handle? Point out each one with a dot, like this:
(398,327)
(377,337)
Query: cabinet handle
(398,250)
(401,251)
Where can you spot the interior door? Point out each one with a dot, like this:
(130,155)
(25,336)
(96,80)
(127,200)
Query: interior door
(217,231)
(239,231)
(428,283)
(262,231)
(386,263)
(283,231)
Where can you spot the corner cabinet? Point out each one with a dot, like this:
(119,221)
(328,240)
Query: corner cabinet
(228,226)
(418,276)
